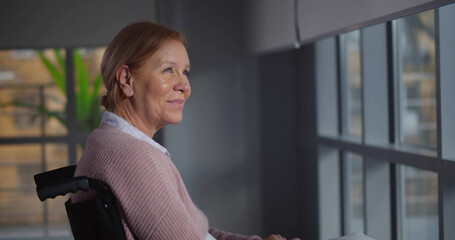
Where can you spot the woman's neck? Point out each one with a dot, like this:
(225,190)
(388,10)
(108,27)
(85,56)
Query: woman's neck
(134,119)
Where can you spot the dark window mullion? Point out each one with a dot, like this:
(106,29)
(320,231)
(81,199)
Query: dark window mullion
(439,129)
(392,128)
(341,121)
(71,116)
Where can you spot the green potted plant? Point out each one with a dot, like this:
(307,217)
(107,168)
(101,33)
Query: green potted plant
(87,108)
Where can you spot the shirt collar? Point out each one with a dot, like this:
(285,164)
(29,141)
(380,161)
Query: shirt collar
(124,126)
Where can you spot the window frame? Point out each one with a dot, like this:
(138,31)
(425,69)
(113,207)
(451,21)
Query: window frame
(380,151)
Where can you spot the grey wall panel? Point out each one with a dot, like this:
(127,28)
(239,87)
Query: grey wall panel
(279,134)
(269,24)
(54,23)
(217,146)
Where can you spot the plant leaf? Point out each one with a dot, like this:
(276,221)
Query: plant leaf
(83,98)
(59,77)
(95,113)
(42,110)
(60,60)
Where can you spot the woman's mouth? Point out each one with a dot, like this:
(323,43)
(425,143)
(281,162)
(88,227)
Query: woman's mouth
(178,103)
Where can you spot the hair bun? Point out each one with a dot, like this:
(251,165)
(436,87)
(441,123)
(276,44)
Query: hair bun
(103,101)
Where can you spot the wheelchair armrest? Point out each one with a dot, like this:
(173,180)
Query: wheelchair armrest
(45,178)
(59,182)
(63,187)
(62,181)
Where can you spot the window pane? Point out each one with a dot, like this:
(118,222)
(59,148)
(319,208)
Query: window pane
(56,102)
(27,91)
(58,226)
(58,219)
(19,121)
(329,193)
(446,50)
(416,64)
(56,156)
(22,214)
(326,87)
(20,209)
(419,204)
(355,217)
(351,78)
(88,87)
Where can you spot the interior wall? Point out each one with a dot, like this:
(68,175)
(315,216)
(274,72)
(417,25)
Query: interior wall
(55,23)
(216,146)
(279,159)
(289,154)
(270,23)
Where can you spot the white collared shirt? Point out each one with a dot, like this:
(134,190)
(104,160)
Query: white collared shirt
(124,126)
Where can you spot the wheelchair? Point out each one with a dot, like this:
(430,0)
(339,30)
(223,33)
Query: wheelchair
(97,218)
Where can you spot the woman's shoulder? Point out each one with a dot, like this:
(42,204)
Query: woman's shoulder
(107,132)
(107,136)
(109,146)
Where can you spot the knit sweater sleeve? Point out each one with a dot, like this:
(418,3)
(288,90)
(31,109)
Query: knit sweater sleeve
(146,191)
(222,235)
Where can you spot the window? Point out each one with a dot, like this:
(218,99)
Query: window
(36,135)
(329,193)
(416,64)
(351,84)
(394,85)
(29,86)
(354,195)
(418,204)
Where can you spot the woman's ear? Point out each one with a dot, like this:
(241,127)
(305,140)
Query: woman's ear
(125,80)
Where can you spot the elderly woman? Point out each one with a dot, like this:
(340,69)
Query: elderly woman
(145,70)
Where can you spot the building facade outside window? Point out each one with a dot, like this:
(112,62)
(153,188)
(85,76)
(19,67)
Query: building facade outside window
(35,136)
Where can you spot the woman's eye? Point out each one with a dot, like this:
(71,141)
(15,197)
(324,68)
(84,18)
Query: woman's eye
(168,70)
(186,73)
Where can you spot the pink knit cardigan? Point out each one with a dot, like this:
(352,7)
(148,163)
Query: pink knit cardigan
(152,198)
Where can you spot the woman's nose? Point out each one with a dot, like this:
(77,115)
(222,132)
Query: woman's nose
(183,85)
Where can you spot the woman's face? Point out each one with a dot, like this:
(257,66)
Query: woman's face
(161,87)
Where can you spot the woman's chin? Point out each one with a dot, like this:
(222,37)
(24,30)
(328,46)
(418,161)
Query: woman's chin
(174,120)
